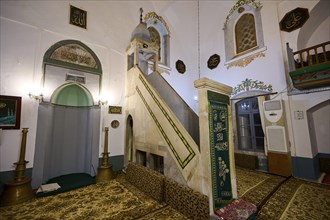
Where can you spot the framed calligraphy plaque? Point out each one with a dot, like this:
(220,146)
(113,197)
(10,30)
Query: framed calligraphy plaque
(10,112)
(180,66)
(78,17)
(213,61)
(115,109)
(294,19)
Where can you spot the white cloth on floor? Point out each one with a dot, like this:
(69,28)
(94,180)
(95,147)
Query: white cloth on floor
(48,187)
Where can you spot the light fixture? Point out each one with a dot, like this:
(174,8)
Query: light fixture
(36,97)
(196,98)
(102,103)
(245,106)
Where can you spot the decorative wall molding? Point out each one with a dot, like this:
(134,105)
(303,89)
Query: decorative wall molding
(154,15)
(250,84)
(240,3)
(73,54)
(245,61)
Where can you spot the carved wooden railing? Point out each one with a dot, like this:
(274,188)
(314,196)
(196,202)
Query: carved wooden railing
(308,57)
(310,67)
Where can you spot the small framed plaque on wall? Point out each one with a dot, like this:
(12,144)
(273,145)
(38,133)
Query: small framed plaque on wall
(78,17)
(10,112)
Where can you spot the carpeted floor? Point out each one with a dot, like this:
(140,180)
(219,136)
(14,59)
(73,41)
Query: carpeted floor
(283,198)
(298,199)
(275,197)
(110,200)
(255,186)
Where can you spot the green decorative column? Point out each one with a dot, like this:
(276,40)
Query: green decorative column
(217,149)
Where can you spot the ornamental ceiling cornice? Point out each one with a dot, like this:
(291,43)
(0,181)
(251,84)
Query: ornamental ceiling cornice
(152,14)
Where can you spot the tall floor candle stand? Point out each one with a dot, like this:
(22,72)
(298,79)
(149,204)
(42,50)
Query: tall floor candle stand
(18,190)
(104,171)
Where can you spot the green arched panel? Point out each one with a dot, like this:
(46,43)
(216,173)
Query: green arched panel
(72,95)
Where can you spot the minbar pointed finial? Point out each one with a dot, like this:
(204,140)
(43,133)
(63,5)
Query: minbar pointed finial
(141,11)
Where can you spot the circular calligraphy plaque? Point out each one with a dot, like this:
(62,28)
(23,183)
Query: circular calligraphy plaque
(115,124)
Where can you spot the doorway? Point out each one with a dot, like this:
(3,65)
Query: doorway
(249,128)
(129,140)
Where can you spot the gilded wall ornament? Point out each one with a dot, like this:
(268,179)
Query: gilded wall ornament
(246,61)
(180,66)
(151,15)
(213,61)
(75,54)
(115,124)
(115,109)
(249,84)
(238,5)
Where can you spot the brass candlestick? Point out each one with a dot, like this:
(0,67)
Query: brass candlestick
(18,190)
(105,170)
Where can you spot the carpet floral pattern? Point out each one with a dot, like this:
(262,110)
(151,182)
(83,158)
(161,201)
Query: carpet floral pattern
(248,179)
(167,213)
(109,200)
(298,199)
(254,187)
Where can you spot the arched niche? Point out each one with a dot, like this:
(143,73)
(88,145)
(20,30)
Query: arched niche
(73,95)
(156,24)
(71,61)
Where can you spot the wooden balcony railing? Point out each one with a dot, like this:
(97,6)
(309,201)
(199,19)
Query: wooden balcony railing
(308,57)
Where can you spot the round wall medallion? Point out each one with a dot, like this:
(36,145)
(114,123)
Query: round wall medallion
(115,124)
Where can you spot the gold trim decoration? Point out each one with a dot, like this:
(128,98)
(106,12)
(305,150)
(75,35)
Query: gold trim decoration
(240,3)
(154,15)
(249,84)
(246,61)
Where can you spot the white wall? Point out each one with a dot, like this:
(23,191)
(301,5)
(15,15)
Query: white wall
(299,133)
(29,28)
(321,119)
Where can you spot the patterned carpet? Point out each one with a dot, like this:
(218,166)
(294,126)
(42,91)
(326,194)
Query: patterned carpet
(166,213)
(110,200)
(298,199)
(275,197)
(254,186)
